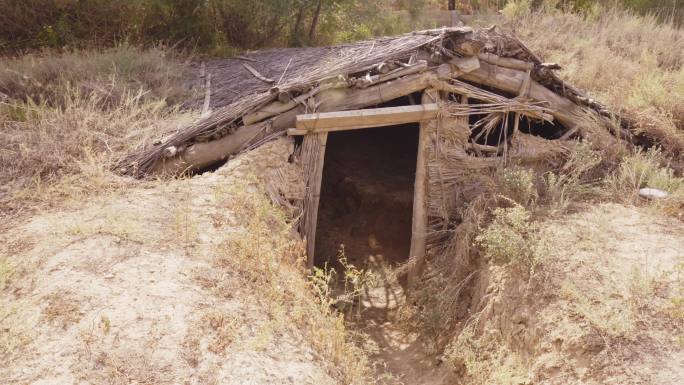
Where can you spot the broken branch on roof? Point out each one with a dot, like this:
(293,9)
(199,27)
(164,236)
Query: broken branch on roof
(257,75)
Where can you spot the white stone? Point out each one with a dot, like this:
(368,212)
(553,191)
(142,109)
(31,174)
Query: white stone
(652,193)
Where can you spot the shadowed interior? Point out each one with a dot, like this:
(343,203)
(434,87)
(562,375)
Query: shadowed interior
(367,195)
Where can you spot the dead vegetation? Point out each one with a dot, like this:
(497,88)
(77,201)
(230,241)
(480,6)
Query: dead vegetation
(68,116)
(229,301)
(61,309)
(631,63)
(517,264)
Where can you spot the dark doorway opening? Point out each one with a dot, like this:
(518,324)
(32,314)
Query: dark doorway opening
(366,203)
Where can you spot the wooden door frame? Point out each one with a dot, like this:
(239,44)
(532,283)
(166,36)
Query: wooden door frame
(318,139)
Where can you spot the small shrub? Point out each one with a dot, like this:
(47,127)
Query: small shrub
(643,169)
(343,289)
(571,181)
(519,185)
(516,8)
(509,238)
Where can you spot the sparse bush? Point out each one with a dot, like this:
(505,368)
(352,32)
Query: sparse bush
(643,169)
(70,116)
(343,289)
(570,183)
(49,153)
(516,8)
(485,359)
(644,78)
(510,236)
(518,184)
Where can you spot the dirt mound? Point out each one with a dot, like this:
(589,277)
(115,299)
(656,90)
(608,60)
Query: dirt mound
(602,306)
(192,281)
(201,281)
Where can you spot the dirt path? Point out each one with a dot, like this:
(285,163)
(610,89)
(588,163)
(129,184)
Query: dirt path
(401,357)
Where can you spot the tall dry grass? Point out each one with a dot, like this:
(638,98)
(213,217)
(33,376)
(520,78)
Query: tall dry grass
(50,77)
(65,118)
(633,63)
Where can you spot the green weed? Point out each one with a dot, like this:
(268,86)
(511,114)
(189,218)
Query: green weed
(510,236)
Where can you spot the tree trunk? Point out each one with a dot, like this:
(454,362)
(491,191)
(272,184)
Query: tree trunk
(314,21)
(296,33)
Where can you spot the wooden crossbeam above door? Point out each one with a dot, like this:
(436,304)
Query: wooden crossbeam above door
(365,118)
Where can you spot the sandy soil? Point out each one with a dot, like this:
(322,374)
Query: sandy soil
(599,308)
(125,290)
(400,356)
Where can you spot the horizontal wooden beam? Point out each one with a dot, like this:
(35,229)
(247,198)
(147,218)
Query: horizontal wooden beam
(509,80)
(366,118)
(507,62)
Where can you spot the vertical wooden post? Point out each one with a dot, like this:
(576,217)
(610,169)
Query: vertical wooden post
(315,143)
(420,208)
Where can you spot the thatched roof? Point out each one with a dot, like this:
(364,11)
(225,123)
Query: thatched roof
(231,80)
(298,74)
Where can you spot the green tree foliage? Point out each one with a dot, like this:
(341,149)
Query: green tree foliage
(218,25)
(202,24)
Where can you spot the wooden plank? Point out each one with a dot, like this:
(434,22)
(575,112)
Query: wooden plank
(200,155)
(277,107)
(420,209)
(350,99)
(466,64)
(507,62)
(365,118)
(313,195)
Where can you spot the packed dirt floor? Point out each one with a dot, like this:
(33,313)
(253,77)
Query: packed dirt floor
(197,281)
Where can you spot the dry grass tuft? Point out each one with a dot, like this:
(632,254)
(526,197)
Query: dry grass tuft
(126,367)
(62,309)
(646,169)
(632,63)
(223,328)
(110,74)
(59,138)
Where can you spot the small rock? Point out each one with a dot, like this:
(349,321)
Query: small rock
(652,193)
(170,151)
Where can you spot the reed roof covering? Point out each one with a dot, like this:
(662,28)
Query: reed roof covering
(246,84)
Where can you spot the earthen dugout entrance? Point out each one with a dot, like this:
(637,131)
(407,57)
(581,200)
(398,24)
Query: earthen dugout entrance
(486,101)
(366,198)
(402,125)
